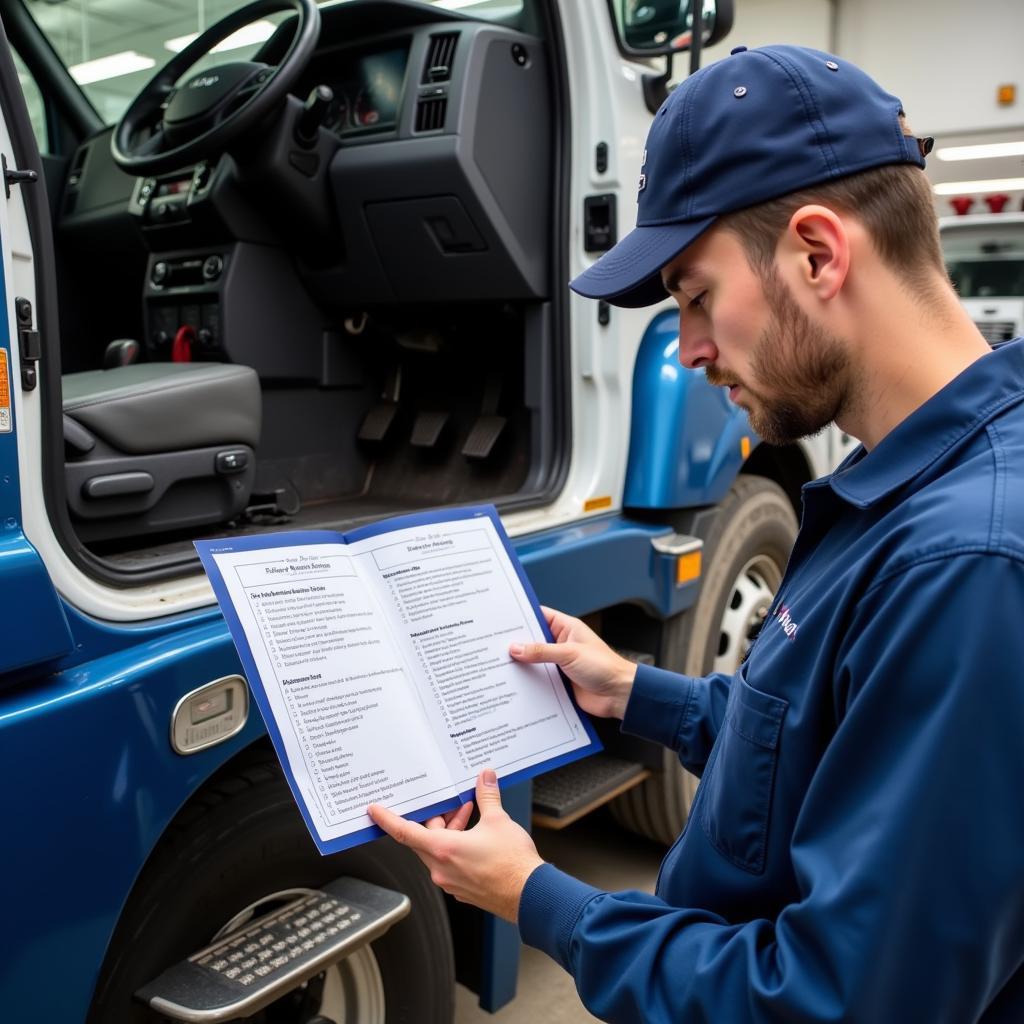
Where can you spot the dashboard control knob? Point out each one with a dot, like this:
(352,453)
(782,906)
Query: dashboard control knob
(159,272)
(212,268)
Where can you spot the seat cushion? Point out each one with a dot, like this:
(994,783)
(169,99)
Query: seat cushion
(164,407)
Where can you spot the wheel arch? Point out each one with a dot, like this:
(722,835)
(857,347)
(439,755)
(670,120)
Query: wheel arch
(786,465)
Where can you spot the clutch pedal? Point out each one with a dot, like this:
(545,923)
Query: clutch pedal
(240,973)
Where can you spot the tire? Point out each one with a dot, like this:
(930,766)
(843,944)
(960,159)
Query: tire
(241,840)
(746,548)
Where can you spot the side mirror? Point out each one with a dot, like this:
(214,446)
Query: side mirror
(649,28)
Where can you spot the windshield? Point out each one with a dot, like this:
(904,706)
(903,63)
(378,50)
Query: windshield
(113,47)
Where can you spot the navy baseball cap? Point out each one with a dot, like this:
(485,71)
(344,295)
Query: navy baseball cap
(754,126)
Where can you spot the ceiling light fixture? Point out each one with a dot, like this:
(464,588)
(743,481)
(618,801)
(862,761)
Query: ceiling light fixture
(981,152)
(953,188)
(113,66)
(248,35)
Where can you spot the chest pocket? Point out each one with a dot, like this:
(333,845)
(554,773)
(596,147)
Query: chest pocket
(738,781)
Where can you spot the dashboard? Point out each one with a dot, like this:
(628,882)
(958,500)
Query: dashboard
(367,89)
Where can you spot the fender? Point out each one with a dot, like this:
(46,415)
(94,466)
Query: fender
(686,442)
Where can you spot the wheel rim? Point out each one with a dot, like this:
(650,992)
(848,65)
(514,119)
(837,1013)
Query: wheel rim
(351,991)
(750,598)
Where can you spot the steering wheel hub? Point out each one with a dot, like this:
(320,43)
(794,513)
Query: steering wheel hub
(167,126)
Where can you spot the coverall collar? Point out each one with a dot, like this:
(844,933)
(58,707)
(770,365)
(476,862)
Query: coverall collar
(957,412)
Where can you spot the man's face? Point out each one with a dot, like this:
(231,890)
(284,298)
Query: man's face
(751,336)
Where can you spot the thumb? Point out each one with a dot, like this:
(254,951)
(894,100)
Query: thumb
(560,654)
(488,796)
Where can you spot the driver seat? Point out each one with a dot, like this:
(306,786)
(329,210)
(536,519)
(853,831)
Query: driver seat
(154,447)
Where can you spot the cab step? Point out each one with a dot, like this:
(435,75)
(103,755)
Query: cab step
(243,971)
(566,794)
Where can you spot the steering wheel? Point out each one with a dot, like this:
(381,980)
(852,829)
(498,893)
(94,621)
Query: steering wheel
(165,127)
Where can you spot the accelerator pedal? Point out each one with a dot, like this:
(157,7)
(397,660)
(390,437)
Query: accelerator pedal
(564,795)
(243,971)
(427,428)
(489,425)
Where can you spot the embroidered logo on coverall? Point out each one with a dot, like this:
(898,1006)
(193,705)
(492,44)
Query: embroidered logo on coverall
(789,627)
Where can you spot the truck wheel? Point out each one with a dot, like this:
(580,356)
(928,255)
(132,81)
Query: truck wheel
(745,552)
(242,842)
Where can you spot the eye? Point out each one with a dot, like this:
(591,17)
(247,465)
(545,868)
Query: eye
(697,302)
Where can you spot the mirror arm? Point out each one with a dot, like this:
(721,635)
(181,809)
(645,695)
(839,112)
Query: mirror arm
(656,86)
(696,33)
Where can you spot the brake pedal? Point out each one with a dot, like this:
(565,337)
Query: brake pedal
(246,969)
(427,428)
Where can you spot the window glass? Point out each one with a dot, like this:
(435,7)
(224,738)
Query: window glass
(34,100)
(113,47)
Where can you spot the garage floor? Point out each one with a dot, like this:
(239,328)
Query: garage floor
(597,851)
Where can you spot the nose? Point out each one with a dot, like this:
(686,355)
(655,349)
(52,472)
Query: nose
(696,347)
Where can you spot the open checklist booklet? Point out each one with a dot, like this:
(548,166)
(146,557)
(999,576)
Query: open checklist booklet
(379,660)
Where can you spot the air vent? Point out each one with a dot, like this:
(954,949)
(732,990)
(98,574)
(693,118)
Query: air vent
(430,113)
(440,54)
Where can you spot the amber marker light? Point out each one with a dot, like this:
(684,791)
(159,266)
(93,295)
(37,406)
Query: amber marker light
(688,568)
(745,447)
(596,504)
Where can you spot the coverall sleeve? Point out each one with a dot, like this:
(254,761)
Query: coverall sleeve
(680,712)
(907,852)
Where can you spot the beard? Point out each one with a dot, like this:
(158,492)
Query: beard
(798,360)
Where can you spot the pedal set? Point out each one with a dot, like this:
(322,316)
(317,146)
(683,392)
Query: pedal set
(245,970)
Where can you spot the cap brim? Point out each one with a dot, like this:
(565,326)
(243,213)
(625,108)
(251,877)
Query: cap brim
(629,274)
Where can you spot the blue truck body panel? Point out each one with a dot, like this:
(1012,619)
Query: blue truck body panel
(97,782)
(684,445)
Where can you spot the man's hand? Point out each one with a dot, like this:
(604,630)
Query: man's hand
(601,679)
(488,865)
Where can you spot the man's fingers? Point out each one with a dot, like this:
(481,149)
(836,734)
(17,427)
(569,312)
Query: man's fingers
(560,654)
(408,833)
(488,796)
(458,820)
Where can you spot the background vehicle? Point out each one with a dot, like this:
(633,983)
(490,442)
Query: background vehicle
(985,257)
(369,280)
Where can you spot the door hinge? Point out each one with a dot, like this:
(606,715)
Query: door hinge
(14,176)
(28,344)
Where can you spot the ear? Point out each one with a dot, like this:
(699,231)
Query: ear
(816,247)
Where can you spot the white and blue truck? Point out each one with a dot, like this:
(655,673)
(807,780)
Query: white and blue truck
(309,288)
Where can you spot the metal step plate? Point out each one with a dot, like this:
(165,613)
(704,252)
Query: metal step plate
(249,968)
(566,794)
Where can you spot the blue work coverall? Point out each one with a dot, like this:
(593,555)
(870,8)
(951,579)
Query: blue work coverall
(855,850)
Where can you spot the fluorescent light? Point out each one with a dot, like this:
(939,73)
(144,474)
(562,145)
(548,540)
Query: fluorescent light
(955,188)
(248,35)
(992,149)
(116,64)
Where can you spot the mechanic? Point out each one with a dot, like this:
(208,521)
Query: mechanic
(855,850)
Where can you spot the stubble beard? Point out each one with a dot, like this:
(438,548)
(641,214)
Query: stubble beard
(798,360)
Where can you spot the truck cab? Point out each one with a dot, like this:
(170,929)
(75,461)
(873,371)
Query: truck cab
(985,258)
(309,279)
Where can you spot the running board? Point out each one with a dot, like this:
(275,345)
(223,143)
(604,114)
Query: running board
(564,795)
(245,970)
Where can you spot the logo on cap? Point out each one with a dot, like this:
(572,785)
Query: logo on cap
(643,177)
